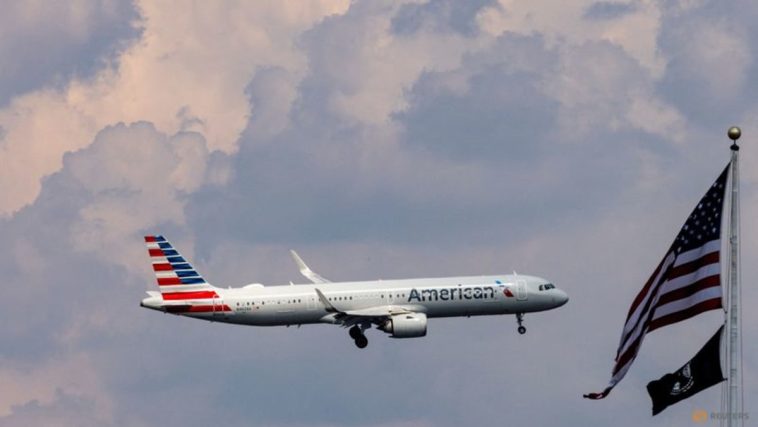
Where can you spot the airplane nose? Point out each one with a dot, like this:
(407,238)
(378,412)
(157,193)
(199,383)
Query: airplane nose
(560,298)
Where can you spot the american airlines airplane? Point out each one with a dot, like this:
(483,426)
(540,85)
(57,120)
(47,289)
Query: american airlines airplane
(398,307)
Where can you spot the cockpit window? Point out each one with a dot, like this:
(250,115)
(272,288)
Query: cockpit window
(549,286)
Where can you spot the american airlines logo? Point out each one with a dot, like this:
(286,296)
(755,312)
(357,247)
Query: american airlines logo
(452,294)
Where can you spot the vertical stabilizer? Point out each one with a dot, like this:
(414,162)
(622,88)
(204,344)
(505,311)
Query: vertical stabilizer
(176,278)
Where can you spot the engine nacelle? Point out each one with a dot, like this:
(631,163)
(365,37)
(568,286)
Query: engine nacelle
(409,325)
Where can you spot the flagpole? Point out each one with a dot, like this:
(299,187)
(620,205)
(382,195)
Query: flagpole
(734,338)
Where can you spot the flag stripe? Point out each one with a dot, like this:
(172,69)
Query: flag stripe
(684,281)
(691,267)
(711,304)
(683,304)
(689,256)
(687,291)
(633,326)
(644,292)
(628,355)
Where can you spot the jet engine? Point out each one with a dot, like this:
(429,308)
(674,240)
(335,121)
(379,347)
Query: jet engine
(409,325)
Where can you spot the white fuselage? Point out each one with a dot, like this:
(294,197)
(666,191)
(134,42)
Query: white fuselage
(435,297)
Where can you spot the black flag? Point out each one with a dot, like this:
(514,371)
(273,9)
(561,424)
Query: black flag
(703,371)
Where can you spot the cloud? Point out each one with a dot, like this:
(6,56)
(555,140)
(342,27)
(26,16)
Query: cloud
(187,71)
(517,105)
(710,61)
(62,391)
(45,45)
(363,78)
(635,31)
(129,181)
(440,15)
(608,10)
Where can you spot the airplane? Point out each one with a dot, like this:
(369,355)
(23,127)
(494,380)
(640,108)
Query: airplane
(398,307)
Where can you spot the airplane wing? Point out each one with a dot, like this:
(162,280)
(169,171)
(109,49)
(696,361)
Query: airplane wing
(377,314)
(305,271)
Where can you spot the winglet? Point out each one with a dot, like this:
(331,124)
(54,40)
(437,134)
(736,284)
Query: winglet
(305,271)
(329,307)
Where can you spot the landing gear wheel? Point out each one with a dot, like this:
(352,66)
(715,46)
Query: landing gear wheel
(355,332)
(361,341)
(520,319)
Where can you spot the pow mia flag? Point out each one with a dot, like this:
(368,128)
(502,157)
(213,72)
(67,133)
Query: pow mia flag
(703,371)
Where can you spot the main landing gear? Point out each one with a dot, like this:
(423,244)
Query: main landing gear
(356,333)
(520,320)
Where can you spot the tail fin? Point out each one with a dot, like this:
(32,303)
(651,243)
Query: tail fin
(177,279)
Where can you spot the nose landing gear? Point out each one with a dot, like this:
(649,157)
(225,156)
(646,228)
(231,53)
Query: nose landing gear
(520,319)
(356,333)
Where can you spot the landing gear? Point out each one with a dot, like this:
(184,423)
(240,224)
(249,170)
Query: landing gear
(361,341)
(356,333)
(520,319)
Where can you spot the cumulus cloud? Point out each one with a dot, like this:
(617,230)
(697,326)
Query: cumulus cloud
(609,10)
(61,391)
(635,31)
(187,71)
(137,178)
(709,60)
(46,44)
(70,252)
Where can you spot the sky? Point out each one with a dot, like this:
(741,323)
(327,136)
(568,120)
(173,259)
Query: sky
(380,139)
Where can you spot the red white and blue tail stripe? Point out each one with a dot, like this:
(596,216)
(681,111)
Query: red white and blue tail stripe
(177,279)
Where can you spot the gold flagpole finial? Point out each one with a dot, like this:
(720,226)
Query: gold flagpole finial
(734,134)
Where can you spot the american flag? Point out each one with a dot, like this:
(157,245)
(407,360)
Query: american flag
(686,283)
